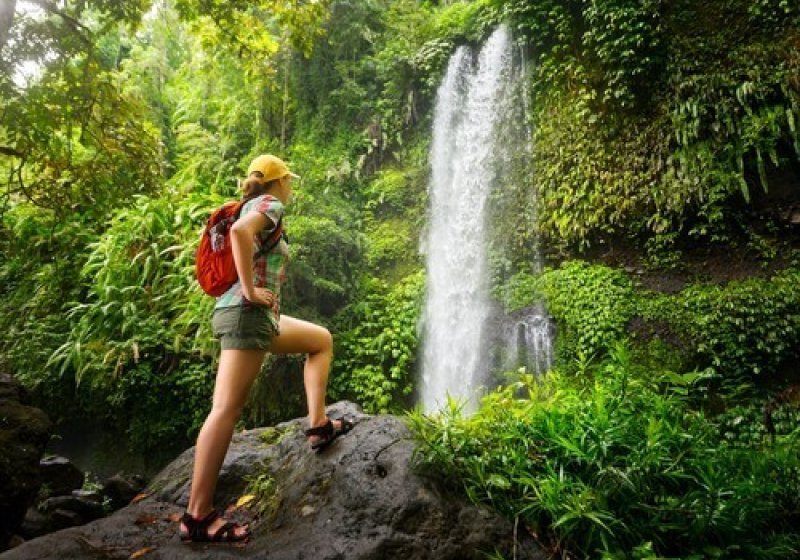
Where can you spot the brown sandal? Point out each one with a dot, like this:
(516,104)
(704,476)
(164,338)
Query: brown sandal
(197,530)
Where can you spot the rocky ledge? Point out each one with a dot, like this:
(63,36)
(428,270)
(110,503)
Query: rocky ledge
(359,499)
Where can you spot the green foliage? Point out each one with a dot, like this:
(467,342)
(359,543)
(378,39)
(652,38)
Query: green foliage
(591,304)
(653,119)
(376,70)
(139,344)
(325,258)
(86,157)
(520,291)
(70,138)
(160,404)
(393,222)
(375,355)
(388,193)
(264,488)
(41,256)
(625,36)
(389,242)
(742,425)
(131,350)
(142,297)
(590,181)
(744,328)
(741,329)
(617,464)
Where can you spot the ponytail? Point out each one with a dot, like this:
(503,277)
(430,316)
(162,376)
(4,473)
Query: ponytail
(255,186)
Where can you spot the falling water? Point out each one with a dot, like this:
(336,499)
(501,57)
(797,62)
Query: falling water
(526,338)
(471,103)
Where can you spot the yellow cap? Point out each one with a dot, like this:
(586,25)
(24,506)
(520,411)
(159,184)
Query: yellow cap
(270,167)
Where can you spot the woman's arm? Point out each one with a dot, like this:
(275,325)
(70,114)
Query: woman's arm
(243,232)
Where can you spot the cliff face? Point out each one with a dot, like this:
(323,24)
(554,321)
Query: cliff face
(359,499)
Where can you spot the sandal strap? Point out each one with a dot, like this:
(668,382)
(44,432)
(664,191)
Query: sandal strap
(345,425)
(326,430)
(198,528)
(227,533)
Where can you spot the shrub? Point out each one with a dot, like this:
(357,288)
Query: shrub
(375,356)
(591,304)
(42,257)
(616,464)
(741,329)
(744,328)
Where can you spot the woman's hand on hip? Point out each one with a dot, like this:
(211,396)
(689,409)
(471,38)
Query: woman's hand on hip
(261,296)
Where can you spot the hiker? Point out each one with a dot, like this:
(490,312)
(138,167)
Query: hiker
(248,322)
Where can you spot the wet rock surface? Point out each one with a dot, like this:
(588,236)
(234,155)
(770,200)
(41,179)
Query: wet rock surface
(359,499)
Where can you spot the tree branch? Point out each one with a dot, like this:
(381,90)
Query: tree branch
(74,23)
(9,151)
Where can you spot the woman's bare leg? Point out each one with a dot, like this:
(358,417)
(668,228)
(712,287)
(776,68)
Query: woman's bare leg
(235,375)
(302,337)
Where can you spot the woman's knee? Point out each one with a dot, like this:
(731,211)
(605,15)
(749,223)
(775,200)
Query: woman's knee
(226,412)
(326,339)
(322,341)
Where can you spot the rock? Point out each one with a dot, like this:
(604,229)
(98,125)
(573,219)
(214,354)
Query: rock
(87,509)
(35,524)
(24,432)
(357,500)
(11,390)
(89,495)
(60,476)
(15,540)
(60,512)
(120,489)
(63,518)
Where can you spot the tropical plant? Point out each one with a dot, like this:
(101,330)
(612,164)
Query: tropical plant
(615,463)
(376,355)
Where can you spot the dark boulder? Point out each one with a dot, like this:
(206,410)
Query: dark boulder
(60,476)
(60,512)
(121,488)
(86,508)
(24,432)
(358,500)
(35,524)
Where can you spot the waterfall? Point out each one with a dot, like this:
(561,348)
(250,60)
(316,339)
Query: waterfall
(468,155)
(527,340)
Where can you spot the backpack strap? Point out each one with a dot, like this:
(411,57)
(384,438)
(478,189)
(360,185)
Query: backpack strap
(239,205)
(277,234)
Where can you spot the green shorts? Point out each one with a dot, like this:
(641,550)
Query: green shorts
(243,327)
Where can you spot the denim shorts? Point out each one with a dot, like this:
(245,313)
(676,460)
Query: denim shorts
(243,327)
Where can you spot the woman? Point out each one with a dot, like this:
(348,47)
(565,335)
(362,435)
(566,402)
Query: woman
(248,323)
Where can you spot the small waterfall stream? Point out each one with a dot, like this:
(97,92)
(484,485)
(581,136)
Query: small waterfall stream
(469,158)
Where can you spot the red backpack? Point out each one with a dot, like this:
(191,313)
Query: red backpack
(214,265)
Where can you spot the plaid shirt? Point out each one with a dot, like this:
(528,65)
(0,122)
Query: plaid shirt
(269,271)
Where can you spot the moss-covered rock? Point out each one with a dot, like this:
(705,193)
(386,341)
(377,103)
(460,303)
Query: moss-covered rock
(24,432)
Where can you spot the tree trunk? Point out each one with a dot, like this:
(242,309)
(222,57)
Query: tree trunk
(285,111)
(7,8)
